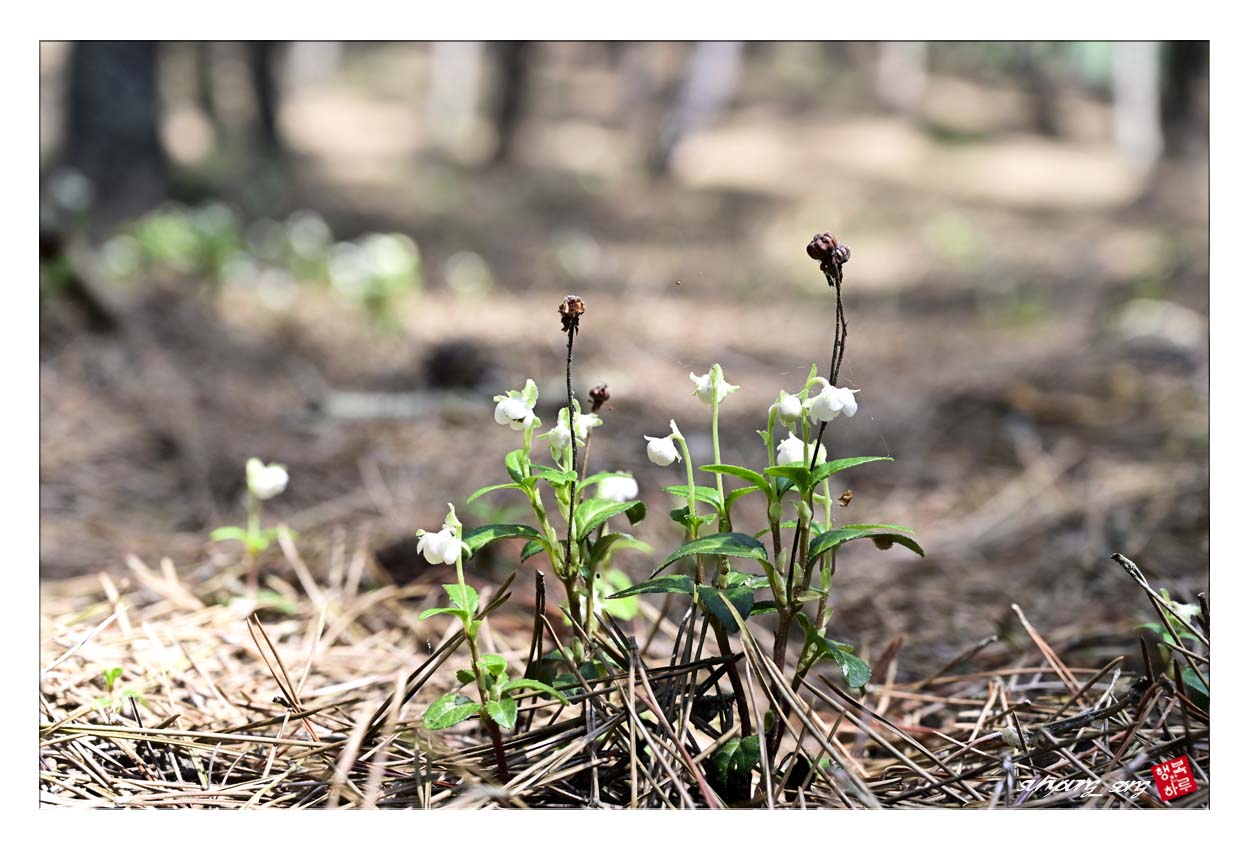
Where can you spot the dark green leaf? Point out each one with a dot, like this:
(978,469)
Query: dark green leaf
(854,669)
(701,494)
(534,685)
(730,768)
(731,543)
(833,467)
(764,606)
(739,472)
(465,677)
(502,711)
(682,517)
(515,462)
(448,710)
(492,488)
(712,601)
(1197,691)
(636,513)
(593,513)
(609,543)
(664,584)
(479,537)
(531,549)
(798,473)
(734,495)
(833,539)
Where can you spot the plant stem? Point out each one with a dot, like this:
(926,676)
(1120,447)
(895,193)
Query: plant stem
(253,534)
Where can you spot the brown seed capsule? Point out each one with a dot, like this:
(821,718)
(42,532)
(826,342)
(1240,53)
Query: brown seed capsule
(829,252)
(845,498)
(599,397)
(571,310)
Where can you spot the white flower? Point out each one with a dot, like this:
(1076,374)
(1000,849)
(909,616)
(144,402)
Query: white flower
(703,385)
(263,481)
(618,488)
(662,450)
(584,422)
(442,546)
(439,547)
(831,402)
(516,409)
(790,451)
(789,408)
(560,436)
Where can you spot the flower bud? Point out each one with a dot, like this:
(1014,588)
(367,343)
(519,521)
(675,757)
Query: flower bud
(661,451)
(713,379)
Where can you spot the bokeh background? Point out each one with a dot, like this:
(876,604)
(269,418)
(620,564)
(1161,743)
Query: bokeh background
(332,255)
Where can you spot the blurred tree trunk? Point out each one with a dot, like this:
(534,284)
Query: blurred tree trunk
(514,69)
(455,81)
(902,74)
(1040,84)
(711,79)
(113,122)
(205,95)
(1138,106)
(262,60)
(1185,117)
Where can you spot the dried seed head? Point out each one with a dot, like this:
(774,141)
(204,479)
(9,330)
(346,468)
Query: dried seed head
(845,498)
(829,252)
(599,397)
(571,310)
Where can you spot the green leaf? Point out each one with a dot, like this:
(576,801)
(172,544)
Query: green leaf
(734,544)
(515,462)
(534,685)
(492,488)
(531,549)
(502,711)
(556,477)
(479,537)
(111,676)
(734,495)
(712,600)
(682,517)
(798,473)
(636,513)
(465,677)
(833,467)
(430,612)
(739,472)
(606,545)
(854,669)
(1197,691)
(764,606)
(835,538)
(448,710)
(493,664)
(463,597)
(229,532)
(701,493)
(663,584)
(593,513)
(731,767)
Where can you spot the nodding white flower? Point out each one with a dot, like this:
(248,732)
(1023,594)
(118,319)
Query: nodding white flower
(789,408)
(703,385)
(831,402)
(516,409)
(560,436)
(265,481)
(583,422)
(790,451)
(662,451)
(618,488)
(442,546)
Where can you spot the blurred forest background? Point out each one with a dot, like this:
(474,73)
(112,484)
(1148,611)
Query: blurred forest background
(332,255)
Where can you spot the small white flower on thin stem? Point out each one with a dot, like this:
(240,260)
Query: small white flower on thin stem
(832,402)
(560,436)
(618,488)
(583,422)
(662,451)
(516,409)
(790,451)
(442,546)
(789,409)
(703,385)
(265,481)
